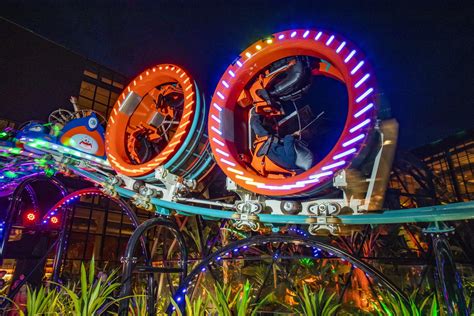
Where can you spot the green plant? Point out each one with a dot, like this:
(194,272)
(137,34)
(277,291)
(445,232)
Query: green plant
(196,308)
(239,305)
(41,302)
(91,295)
(316,303)
(138,304)
(396,306)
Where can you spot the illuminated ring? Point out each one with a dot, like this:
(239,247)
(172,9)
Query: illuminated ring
(236,251)
(75,196)
(119,119)
(360,84)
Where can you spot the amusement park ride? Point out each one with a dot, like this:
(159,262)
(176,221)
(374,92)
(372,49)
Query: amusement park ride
(164,145)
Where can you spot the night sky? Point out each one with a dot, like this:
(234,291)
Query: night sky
(423,52)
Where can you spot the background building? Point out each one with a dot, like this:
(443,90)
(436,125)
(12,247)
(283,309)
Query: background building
(452,160)
(39,76)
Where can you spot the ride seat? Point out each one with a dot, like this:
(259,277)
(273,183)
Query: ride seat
(264,165)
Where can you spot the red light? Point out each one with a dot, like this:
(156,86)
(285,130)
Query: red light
(54,220)
(31,216)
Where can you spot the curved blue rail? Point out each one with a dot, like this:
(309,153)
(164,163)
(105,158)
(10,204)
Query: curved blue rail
(438,213)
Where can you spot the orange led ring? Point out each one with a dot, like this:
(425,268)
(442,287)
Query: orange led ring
(352,68)
(130,107)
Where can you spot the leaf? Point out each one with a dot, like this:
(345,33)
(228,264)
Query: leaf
(91,270)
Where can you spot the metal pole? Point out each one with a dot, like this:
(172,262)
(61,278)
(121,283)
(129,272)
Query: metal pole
(449,281)
(61,247)
(129,262)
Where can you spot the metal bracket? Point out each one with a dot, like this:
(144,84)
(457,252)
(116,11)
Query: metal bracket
(320,225)
(128,260)
(437,228)
(143,202)
(109,190)
(246,215)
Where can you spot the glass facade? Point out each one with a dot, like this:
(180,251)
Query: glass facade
(98,228)
(440,172)
(452,161)
(100,89)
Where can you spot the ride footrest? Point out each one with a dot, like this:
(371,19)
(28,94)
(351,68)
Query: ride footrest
(246,220)
(322,225)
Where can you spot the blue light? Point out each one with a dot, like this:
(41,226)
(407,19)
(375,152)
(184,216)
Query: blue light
(225,83)
(363,110)
(239,63)
(353,140)
(338,50)
(236,249)
(357,67)
(364,95)
(329,41)
(178,299)
(231,73)
(245,247)
(219,258)
(293,34)
(220,95)
(203,269)
(345,153)
(361,81)
(349,56)
(318,36)
(359,126)
(183,291)
(281,36)
(305,35)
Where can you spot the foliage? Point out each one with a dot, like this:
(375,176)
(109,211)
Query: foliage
(240,305)
(91,295)
(41,302)
(316,303)
(80,299)
(196,308)
(138,304)
(397,306)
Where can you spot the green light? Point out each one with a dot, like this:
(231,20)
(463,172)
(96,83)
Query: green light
(3,134)
(41,161)
(10,174)
(56,130)
(15,151)
(306,262)
(49,172)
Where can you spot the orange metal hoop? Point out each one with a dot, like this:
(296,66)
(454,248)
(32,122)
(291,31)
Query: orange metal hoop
(130,107)
(353,70)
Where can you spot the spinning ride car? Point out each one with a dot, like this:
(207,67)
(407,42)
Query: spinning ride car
(279,69)
(159,121)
